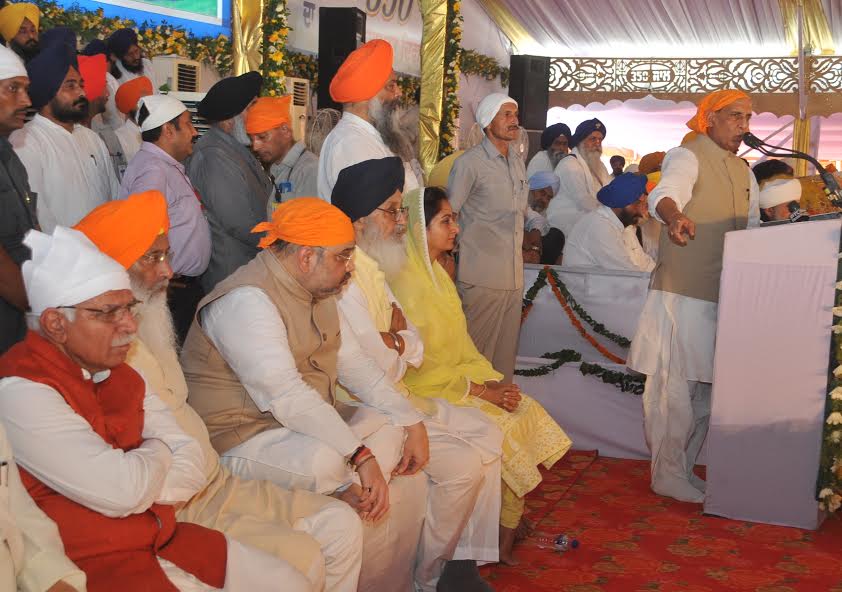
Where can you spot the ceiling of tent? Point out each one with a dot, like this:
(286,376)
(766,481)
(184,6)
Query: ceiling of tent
(655,28)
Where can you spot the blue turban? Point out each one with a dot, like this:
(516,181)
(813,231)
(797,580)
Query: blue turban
(622,191)
(59,35)
(549,135)
(585,129)
(47,71)
(120,41)
(543,179)
(363,187)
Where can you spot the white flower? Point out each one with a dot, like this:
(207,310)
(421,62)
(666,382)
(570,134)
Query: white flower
(836,394)
(835,436)
(825,492)
(834,503)
(837,311)
(834,418)
(837,372)
(837,329)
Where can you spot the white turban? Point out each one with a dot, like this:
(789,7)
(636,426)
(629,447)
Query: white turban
(780,191)
(66,269)
(10,64)
(489,106)
(543,179)
(162,108)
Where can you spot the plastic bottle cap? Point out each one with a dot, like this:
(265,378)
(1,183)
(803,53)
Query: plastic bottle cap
(574,543)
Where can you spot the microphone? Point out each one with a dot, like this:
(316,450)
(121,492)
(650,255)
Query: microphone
(752,141)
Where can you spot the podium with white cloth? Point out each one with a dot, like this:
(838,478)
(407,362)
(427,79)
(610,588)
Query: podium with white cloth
(770,373)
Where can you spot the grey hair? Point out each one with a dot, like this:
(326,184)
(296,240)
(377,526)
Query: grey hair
(283,248)
(33,320)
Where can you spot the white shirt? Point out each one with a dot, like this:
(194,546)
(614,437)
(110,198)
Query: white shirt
(247,330)
(129,136)
(353,140)
(599,239)
(690,322)
(59,447)
(72,173)
(576,194)
(112,116)
(536,221)
(353,305)
(539,162)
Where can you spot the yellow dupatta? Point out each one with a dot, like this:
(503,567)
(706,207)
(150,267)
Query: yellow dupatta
(430,300)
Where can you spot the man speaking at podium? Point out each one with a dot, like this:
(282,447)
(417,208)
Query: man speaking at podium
(704,192)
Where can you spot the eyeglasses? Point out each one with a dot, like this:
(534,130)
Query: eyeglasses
(156,257)
(113,314)
(396,213)
(345,259)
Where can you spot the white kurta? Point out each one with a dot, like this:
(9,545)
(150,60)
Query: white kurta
(72,173)
(536,221)
(130,140)
(599,239)
(353,140)
(112,116)
(576,194)
(674,347)
(539,162)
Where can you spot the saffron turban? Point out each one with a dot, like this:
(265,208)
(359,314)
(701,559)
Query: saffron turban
(543,179)
(779,191)
(124,229)
(363,73)
(308,221)
(268,113)
(66,268)
(47,71)
(549,135)
(120,41)
(622,191)
(363,187)
(585,129)
(711,104)
(651,162)
(162,108)
(129,93)
(12,15)
(92,70)
(11,65)
(230,96)
(489,106)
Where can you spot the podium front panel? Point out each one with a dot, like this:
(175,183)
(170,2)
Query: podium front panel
(770,373)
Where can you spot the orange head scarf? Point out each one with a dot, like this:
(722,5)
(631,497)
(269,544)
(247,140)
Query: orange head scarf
(124,229)
(307,221)
(267,113)
(131,92)
(712,103)
(363,73)
(92,69)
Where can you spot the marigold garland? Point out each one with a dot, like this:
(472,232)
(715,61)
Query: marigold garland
(473,63)
(275,62)
(829,481)
(450,87)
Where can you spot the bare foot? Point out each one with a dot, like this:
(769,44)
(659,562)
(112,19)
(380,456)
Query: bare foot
(507,541)
(523,530)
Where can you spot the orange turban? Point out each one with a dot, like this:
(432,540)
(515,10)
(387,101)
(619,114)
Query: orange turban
(124,229)
(651,162)
(307,221)
(363,73)
(92,69)
(710,104)
(267,113)
(131,92)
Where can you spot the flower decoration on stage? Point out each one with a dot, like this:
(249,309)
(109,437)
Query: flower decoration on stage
(473,63)
(275,61)
(304,65)
(829,482)
(154,39)
(450,97)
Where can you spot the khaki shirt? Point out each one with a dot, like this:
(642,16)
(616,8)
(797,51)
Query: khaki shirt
(490,193)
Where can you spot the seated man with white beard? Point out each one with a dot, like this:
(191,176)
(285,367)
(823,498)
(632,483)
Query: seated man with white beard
(233,187)
(580,177)
(258,513)
(465,447)
(367,87)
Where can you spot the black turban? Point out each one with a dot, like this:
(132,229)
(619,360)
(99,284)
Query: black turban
(47,71)
(230,96)
(95,47)
(120,41)
(551,133)
(59,36)
(363,187)
(585,129)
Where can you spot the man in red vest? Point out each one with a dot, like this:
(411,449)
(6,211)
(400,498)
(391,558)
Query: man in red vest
(100,453)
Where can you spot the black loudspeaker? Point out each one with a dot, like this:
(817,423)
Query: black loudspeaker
(341,31)
(529,85)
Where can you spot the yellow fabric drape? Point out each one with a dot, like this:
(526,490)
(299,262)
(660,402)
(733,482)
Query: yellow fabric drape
(510,26)
(817,33)
(801,142)
(246,35)
(434,15)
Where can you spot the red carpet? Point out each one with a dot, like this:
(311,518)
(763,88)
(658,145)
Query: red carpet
(632,540)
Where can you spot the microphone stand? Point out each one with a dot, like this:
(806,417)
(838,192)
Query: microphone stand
(831,185)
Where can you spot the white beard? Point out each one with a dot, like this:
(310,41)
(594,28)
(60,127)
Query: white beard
(598,170)
(386,118)
(390,253)
(155,325)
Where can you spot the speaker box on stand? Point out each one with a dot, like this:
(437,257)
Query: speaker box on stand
(529,84)
(341,31)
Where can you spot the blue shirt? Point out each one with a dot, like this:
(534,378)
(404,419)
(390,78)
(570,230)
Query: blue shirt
(190,242)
